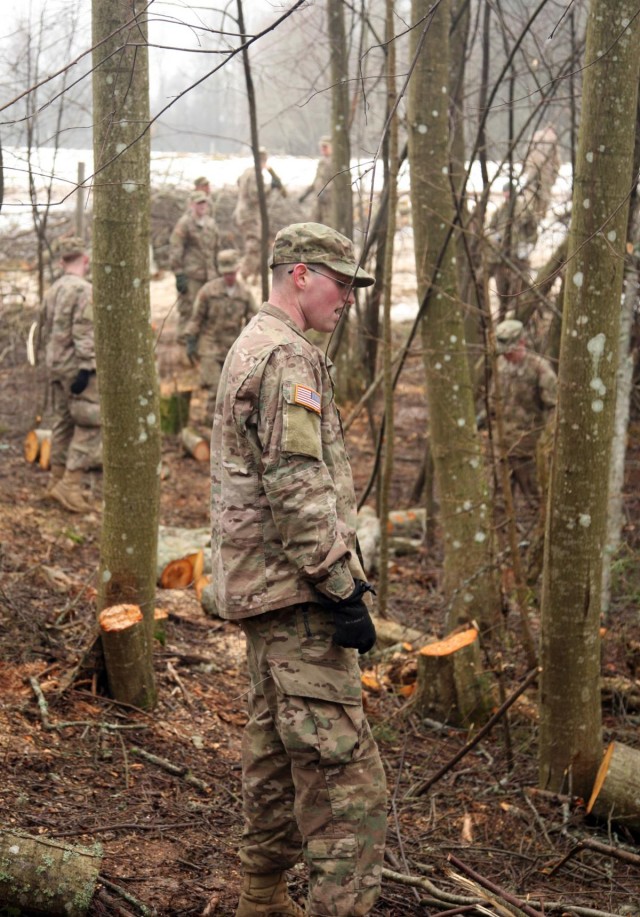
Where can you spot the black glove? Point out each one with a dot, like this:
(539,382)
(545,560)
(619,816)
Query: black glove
(276,184)
(80,382)
(191,343)
(354,627)
(182,284)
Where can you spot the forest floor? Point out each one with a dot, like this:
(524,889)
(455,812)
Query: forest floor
(80,770)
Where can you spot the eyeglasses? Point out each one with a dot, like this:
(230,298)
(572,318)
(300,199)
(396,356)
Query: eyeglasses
(342,283)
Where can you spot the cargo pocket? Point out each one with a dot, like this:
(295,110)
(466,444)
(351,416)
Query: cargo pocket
(320,714)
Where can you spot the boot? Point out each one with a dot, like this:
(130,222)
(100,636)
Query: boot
(266,895)
(57,472)
(68,492)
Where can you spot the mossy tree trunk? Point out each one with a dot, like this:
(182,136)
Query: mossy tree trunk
(455,445)
(570,711)
(124,343)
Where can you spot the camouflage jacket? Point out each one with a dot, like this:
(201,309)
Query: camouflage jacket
(282,500)
(529,392)
(219,315)
(67,318)
(323,191)
(524,229)
(193,247)
(247,206)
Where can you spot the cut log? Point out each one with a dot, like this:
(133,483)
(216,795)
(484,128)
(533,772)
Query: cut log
(390,632)
(128,660)
(40,875)
(44,460)
(408,523)
(182,572)
(183,556)
(368,532)
(34,442)
(616,791)
(200,585)
(174,410)
(195,444)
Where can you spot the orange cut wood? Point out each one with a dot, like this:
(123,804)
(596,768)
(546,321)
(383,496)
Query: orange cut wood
(33,445)
(450,644)
(45,455)
(197,565)
(119,617)
(200,585)
(178,574)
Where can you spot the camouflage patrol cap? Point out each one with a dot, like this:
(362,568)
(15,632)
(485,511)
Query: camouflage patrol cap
(71,247)
(228,260)
(326,138)
(199,197)
(201,182)
(315,243)
(508,333)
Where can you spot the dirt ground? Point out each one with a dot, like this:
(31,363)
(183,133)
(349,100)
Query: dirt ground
(82,768)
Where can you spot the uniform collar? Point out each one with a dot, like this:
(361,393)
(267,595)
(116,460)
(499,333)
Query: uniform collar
(283,317)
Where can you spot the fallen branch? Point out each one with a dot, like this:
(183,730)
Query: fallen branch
(493,888)
(427,784)
(127,896)
(175,769)
(605,849)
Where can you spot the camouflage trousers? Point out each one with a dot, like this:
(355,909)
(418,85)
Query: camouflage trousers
(185,305)
(76,440)
(313,781)
(210,371)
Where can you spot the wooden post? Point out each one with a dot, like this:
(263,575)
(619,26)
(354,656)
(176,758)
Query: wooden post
(129,665)
(41,875)
(80,197)
(616,790)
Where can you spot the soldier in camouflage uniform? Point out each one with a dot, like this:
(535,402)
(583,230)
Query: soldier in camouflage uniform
(221,310)
(67,324)
(247,214)
(285,566)
(512,233)
(528,388)
(322,187)
(193,248)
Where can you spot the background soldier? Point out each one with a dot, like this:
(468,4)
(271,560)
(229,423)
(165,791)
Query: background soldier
(285,565)
(247,214)
(512,234)
(322,187)
(222,309)
(193,248)
(67,317)
(528,386)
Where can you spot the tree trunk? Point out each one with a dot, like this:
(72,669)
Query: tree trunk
(458,463)
(342,197)
(387,333)
(570,714)
(124,642)
(40,875)
(129,400)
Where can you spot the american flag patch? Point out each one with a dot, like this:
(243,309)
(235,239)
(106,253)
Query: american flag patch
(308,398)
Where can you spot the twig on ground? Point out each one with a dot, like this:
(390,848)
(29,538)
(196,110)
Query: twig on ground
(175,769)
(605,849)
(493,888)
(174,675)
(128,897)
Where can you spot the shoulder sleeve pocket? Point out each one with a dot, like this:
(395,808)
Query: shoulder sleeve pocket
(302,422)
